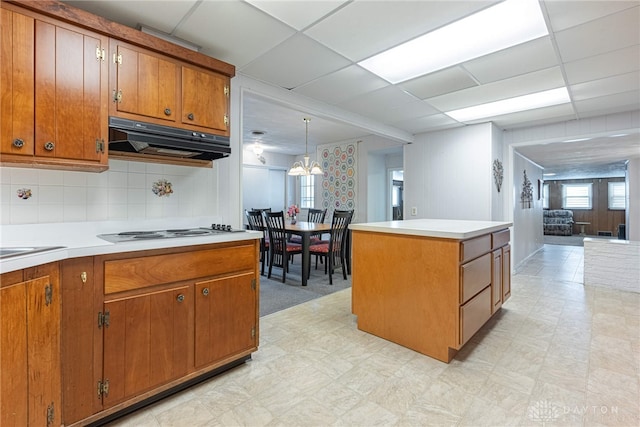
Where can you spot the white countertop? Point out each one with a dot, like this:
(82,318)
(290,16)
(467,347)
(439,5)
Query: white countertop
(443,228)
(80,239)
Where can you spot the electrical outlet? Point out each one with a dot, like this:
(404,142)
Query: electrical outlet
(414,211)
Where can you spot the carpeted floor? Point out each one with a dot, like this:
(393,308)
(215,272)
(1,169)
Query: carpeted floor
(276,296)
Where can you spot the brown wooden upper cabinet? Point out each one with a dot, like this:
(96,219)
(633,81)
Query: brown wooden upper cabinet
(56,77)
(153,88)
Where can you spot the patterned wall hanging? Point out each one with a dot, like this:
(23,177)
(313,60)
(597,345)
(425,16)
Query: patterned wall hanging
(340,181)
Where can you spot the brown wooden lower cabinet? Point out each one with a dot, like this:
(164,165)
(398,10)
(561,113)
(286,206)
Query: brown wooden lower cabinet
(142,323)
(30,393)
(426,293)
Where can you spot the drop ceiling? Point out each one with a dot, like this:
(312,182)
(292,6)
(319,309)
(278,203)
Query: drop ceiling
(311,48)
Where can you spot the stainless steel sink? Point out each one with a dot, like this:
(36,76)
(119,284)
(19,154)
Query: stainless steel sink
(11,251)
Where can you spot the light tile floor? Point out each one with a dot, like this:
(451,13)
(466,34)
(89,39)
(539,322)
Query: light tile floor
(557,354)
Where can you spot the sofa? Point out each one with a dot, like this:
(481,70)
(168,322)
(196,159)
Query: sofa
(557,222)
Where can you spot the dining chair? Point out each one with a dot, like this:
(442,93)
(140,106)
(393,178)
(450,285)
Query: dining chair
(280,250)
(334,251)
(317,216)
(256,222)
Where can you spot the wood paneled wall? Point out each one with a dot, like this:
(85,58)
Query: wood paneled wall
(600,217)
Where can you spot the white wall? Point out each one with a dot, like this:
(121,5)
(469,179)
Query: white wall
(527,237)
(377,195)
(633,199)
(123,192)
(447,174)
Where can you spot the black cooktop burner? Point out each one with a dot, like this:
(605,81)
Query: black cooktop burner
(137,233)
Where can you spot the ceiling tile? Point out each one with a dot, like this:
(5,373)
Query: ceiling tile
(567,14)
(298,14)
(609,104)
(609,64)
(430,123)
(342,85)
(376,104)
(234,32)
(408,111)
(434,84)
(538,81)
(538,116)
(165,17)
(364,28)
(607,86)
(521,59)
(613,32)
(294,62)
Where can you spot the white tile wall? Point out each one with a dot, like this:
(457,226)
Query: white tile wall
(121,193)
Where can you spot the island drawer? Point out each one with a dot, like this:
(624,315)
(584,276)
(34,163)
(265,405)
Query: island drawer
(141,272)
(475,276)
(474,314)
(473,248)
(499,238)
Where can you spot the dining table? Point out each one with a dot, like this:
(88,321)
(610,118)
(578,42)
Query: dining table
(305,230)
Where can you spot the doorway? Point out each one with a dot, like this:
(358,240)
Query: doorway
(397,190)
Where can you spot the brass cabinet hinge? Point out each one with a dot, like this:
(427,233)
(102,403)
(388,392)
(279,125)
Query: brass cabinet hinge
(253,284)
(103,388)
(48,294)
(226,120)
(103,319)
(117,96)
(253,332)
(117,59)
(99,149)
(51,414)
(100,54)
(226,90)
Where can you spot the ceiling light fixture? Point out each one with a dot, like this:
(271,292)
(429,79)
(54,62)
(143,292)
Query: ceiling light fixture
(511,105)
(307,168)
(506,24)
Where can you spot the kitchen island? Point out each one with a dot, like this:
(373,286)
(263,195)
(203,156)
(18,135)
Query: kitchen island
(429,284)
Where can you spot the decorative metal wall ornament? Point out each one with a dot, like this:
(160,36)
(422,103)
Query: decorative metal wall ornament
(161,188)
(527,192)
(498,173)
(24,193)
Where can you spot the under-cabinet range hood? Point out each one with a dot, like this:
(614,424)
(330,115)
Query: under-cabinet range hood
(131,136)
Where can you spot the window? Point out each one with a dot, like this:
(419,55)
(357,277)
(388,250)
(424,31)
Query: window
(545,196)
(617,195)
(307,191)
(576,196)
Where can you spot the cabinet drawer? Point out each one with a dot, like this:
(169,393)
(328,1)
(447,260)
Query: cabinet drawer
(475,276)
(135,273)
(474,314)
(499,238)
(473,248)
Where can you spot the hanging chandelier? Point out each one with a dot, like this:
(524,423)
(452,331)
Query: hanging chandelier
(307,167)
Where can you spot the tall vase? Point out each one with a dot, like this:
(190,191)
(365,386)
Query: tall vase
(293,219)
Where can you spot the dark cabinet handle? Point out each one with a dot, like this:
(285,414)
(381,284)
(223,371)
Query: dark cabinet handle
(190,116)
(205,291)
(167,111)
(180,298)
(49,146)
(18,143)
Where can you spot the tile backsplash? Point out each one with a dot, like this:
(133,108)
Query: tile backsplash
(124,192)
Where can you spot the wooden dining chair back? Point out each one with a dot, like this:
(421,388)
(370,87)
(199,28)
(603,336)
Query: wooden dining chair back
(317,215)
(256,222)
(280,250)
(334,251)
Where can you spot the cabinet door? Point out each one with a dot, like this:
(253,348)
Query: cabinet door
(79,330)
(506,272)
(145,84)
(225,317)
(30,344)
(496,281)
(146,342)
(16,83)
(205,100)
(70,78)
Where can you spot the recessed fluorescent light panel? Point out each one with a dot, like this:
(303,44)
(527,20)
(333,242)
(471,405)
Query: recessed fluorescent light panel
(506,24)
(511,105)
